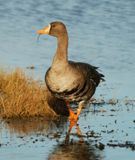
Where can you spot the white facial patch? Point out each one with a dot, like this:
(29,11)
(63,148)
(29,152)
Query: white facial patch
(49,27)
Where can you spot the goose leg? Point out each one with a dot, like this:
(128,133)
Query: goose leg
(73,117)
(81,105)
(79,134)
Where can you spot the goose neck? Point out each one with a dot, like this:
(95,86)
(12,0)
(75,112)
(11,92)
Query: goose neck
(61,55)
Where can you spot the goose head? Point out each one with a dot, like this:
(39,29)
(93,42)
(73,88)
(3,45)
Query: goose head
(55,29)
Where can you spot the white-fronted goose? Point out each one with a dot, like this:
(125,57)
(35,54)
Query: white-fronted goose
(68,80)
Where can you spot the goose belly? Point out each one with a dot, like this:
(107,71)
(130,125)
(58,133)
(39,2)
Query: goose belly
(59,83)
(70,88)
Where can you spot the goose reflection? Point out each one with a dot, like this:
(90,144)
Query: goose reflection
(75,150)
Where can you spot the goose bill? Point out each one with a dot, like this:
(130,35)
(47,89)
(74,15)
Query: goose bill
(45,30)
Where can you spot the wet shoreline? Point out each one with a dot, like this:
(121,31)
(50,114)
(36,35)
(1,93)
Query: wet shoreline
(35,131)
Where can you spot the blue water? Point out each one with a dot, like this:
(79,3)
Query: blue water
(101,32)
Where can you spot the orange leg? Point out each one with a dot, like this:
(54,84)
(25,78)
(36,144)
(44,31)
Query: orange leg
(79,134)
(73,117)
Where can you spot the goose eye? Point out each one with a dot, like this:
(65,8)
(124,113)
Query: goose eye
(53,25)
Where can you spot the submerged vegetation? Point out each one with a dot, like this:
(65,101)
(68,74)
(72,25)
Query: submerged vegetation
(21,96)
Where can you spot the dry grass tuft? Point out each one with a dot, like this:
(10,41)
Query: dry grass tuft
(21,96)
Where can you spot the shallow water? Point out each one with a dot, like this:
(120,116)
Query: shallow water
(112,126)
(101,33)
